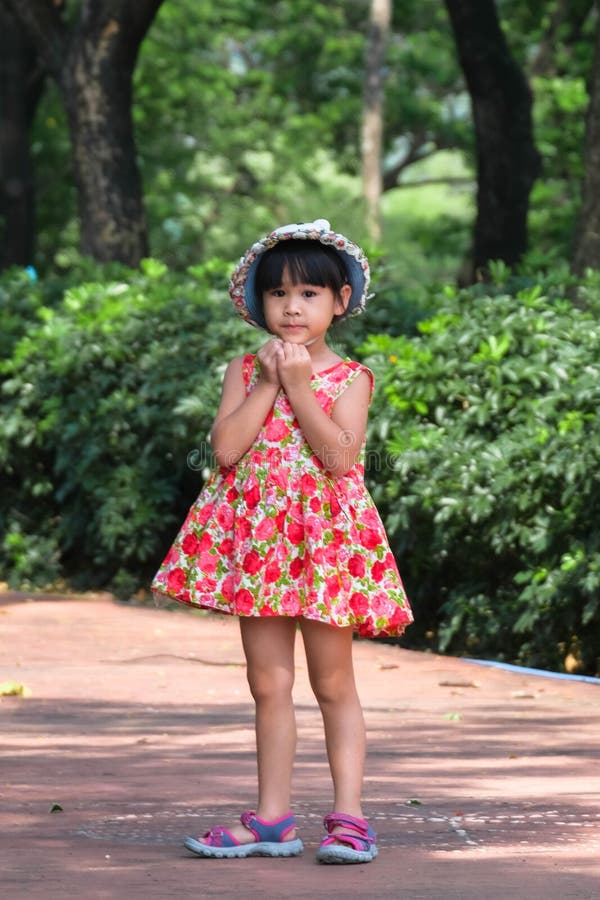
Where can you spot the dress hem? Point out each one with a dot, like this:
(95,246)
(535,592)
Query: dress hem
(358,627)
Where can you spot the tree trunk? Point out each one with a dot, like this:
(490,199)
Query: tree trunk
(96,86)
(372,131)
(93,62)
(587,242)
(21,82)
(507,160)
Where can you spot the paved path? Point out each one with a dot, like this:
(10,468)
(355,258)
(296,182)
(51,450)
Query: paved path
(481,783)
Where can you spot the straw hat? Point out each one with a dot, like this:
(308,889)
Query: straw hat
(242,286)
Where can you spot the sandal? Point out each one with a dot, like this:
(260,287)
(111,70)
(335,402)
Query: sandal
(270,839)
(342,847)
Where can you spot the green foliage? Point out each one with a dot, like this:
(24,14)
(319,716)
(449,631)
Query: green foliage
(104,397)
(486,473)
(483,447)
(249,113)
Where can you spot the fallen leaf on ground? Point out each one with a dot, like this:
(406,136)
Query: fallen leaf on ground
(14,689)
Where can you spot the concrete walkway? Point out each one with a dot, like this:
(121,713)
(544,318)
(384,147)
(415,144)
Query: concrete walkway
(481,783)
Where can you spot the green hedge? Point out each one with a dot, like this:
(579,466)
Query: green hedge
(484,443)
(104,398)
(487,471)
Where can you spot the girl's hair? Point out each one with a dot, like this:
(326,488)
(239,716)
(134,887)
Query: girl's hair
(307,262)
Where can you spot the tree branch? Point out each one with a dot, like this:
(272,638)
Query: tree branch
(415,154)
(426,182)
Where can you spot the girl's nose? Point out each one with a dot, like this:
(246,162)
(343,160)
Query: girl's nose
(292,305)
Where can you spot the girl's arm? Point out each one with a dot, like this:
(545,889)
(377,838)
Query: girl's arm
(336,440)
(240,416)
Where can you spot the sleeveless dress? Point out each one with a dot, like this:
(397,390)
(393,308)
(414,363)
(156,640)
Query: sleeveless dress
(278,535)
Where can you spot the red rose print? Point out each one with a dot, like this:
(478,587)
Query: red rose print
(308,484)
(333,585)
(267,610)
(225,547)
(273,456)
(369,538)
(381,603)
(225,517)
(243,529)
(244,602)
(227,588)
(171,556)
(272,573)
(232,495)
(370,517)
(295,532)
(331,554)
(205,513)
(377,571)
(206,541)
(296,511)
(296,567)
(313,527)
(190,545)
(334,505)
(206,586)
(277,429)
(356,566)
(208,563)
(359,604)
(252,563)
(252,496)
(175,581)
(315,504)
(280,477)
(280,521)
(290,603)
(265,529)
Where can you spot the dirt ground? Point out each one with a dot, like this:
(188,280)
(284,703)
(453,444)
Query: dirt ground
(137,723)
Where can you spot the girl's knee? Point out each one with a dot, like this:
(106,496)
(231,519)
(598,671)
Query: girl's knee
(268,684)
(334,689)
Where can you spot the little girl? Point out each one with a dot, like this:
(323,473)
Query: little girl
(286,536)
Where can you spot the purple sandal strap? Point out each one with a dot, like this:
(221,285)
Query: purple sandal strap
(336,820)
(363,838)
(219,837)
(353,840)
(276,831)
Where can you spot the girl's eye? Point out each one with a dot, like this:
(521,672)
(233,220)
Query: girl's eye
(310,293)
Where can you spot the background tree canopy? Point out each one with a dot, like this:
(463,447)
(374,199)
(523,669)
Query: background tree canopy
(145,143)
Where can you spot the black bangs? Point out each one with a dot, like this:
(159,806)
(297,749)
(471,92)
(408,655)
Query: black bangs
(307,262)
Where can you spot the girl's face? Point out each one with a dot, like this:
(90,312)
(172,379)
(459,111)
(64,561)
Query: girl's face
(302,313)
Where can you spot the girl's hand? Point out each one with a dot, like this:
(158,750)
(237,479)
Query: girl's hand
(294,365)
(268,357)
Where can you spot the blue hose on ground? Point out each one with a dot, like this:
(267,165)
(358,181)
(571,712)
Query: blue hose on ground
(522,670)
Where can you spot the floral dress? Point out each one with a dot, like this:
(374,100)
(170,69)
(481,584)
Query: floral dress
(277,535)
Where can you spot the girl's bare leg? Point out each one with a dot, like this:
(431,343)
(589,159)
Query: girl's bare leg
(331,672)
(269,649)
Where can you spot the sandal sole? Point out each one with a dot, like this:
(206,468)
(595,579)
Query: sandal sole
(263,848)
(343,856)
